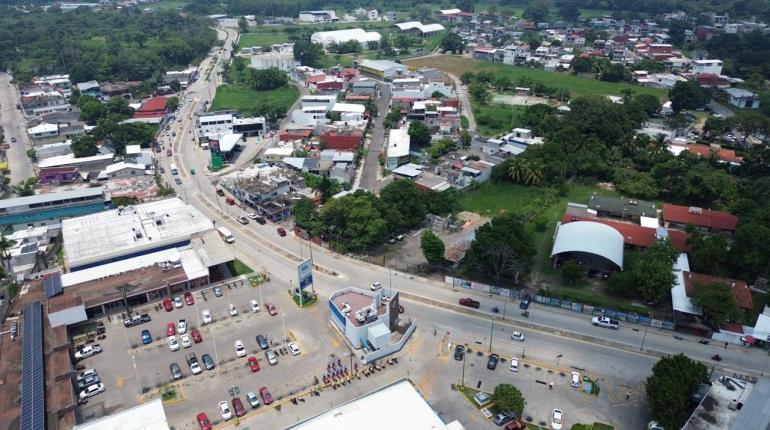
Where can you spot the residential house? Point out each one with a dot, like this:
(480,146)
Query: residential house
(318,16)
(152,110)
(42,99)
(707,66)
(90,88)
(122,170)
(123,89)
(53,149)
(485,53)
(715,151)
(58,175)
(740,291)
(390,16)
(373,15)
(742,99)
(43,130)
(350,112)
(476,172)
(295,134)
(364,87)
(622,207)
(705,220)
(342,138)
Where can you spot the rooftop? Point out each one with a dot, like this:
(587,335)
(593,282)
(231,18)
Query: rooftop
(755,413)
(39,199)
(741,292)
(356,300)
(147,416)
(679,300)
(700,217)
(740,93)
(715,412)
(622,205)
(228,141)
(349,107)
(381,65)
(398,142)
(635,234)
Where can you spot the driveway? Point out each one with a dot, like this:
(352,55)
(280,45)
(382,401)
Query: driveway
(721,109)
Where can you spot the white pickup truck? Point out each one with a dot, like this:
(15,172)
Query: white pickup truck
(605,322)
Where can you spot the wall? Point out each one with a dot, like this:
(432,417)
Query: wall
(380,353)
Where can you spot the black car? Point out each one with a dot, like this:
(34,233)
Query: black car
(262,342)
(178,181)
(208,362)
(459,352)
(146,318)
(260,220)
(492,361)
(176,371)
(524,304)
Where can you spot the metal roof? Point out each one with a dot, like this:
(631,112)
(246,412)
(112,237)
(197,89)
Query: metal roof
(591,238)
(50,197)
(32,370)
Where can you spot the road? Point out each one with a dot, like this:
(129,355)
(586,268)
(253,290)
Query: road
(720,109)
(371,169)
(14,125)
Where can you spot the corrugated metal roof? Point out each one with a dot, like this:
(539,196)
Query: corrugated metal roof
(49,197)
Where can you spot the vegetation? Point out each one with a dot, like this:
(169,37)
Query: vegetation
(172,103)
(687,95)
(717,302)
(272,104)
(502,247)
(432,247)
(647,274)
(86,44)
(84,146)
(572,273)
(267,79)
(308,53)
(508,398)
(419,134)
(262,38)
(673,380)
(240,268)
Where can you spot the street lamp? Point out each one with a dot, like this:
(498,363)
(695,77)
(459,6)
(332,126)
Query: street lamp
(283,323)
(491,332)
(558,357)
(643,338)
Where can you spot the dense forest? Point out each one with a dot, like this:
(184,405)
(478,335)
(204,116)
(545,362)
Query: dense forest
(124,44)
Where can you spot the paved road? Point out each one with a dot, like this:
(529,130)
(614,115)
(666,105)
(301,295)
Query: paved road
(721,109)
(371,169)
(14,125)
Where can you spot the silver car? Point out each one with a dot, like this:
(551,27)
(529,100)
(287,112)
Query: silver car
(271,357)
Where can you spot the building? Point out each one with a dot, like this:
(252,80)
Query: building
(214,125)
(250,127)
(119,89)
(349,112)
(384,69)
(318,16)
(43,130)
(58,175)
(184,77)
(53,149)
(43,99)
(597,245)
(398,148)
(485,53)
(342,139)
(370,412)
(90,88)
(621,207)
(326,38)
(265,187)
(95,163)
(707,66)
(716,151)
(151,110)
(147,416)
(742,99)
(122,170)
(42,209)
(278,59)
(705,220)
(419,29)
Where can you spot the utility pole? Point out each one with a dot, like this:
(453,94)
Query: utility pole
(491,333)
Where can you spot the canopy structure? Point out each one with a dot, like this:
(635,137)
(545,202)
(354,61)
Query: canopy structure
(590,238)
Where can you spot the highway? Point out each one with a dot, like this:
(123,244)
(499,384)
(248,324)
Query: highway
(571,334)
(14,125)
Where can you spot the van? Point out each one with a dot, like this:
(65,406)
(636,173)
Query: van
(226,235)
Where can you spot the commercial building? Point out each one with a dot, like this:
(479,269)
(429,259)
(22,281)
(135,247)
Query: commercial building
(42,209)
(43,130)
(214,125)
(384,69)
(318,16)
(94,163)
(362,36)
(398,148)
(147,416)
(398,405)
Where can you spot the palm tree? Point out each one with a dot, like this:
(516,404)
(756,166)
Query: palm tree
(6,244)
(523,172)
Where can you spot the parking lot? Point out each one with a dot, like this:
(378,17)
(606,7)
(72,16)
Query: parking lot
(133,372)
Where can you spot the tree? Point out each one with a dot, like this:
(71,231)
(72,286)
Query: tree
(614,73)
(687,95)
(452,42)
(175,85)
(571,272)
(583,65)
(536,11)
(649,272)
(5,245)
(647,103)
(467,77)
(717,303)
(267,79)
(25,187)
(503,82)
(84,146)
(324,188)
(308,53)
(432,247)
(673,380)
(419,134)
(406,199)
(91,109)
(524,171)
(502,247)
(709,254)
(243,25)
(570,13)
(304,212)
(465,139)
(479,92)
(172,103)
(509,399)
(466,5)
(676,29)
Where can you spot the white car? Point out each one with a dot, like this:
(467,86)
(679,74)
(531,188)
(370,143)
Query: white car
(556,419)
(195,368)
(86,373)
(252,399)
(240,351)
(231,308)
(517,335)
(92,390)
(224,410)
(376,286)
(178,302)
(181,327)
(294,348)
(206,315)
(575,382)
(252,215)
(254,306)
(242,219)
(514,365)
(186,341)
(172,343)
(88,351)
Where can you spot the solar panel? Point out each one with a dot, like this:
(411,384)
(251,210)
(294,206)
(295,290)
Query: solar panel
(52,285)
(32,371)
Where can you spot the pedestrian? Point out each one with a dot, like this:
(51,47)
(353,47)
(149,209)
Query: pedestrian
(550,385)
(628,395)
(725,345)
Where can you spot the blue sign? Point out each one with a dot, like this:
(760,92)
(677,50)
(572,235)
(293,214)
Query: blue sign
(306,281)
(305,273)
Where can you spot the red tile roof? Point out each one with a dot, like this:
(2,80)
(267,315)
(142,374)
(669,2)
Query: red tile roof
(153,107)
(700,217)
(487,49)
(634,234)
(741,292)
(314,79)
(723,154)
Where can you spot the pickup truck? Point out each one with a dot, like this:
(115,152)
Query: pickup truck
(467,301)
(605,322)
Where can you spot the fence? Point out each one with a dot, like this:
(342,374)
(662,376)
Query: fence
(559,303)
(390,349)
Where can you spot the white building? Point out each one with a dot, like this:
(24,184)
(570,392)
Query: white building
(310,115)
(326,38)
(43,130)
(373,15)
(53,149)
(215,125)
(318,16)
(398,148)
(147,416)
(184,77)
(707,66)
(94,163)
(349,111)
(742,98)
(281,60)
(122,170)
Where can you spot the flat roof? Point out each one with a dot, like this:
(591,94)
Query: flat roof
(131,229)
(228,141)
(357,299)
(375,411)
(714,412)
(216,117)
(381,65)
(755,413)
(679,299)
(147,416)
(623,205)
(64,160)
(398,142)
(51,197)
(349,107)
(409,170)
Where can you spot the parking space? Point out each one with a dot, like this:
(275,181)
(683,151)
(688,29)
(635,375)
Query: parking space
(133,371)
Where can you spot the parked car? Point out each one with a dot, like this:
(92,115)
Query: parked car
(178,302)
(145,318)
(238,406)
(167,305)
(459,352)
(575,382)
(218,291)
(240,350)
(254,306)
(294,348)
(524,303)
(224,410)
(188,298)
(220,192)
(172,343)
(556,419)
(170,329)
(517,335)
(271,309)
(176,371)
(262,342)
(252,215)
(88,351)
(253,364)
(206,316)
(182,326)
(186,343)
(271,357)
(208,361)
(252,399)
(514,364)
(504,418)
(134,320)
(281,231)
(260,220)
(168,153)
(232,310)
(230,201)
(13,140)
(492,361)
(376,286)
(91,390)
(146,337)
(242,219)
(88,380)
(192,361)
(203,421)
(469,302)
(266,397)
(196,335)
(86,373)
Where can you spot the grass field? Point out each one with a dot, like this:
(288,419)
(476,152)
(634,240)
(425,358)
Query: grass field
(457,65)
(168,4)
(250,102)
(496,118)
(262,39)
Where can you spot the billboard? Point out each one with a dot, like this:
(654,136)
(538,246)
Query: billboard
(305,273)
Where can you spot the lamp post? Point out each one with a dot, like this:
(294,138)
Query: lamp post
(491,333)
(462,381)
(283,323)
(643,338)
(558,357)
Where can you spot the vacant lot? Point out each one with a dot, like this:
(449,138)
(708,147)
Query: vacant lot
(263,39)
(250,102)
(576,85)
(496,118)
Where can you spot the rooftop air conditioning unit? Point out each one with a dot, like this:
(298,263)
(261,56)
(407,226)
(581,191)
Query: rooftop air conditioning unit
(360,317)
(345,308)
(695,210)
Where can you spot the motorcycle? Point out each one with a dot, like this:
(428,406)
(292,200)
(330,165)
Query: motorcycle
(525,314)
(716,357)
(495,309)
(703,342)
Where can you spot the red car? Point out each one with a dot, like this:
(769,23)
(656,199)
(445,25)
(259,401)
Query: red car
(266,397)
(196,335)
(188,298)
(203,421)
(281,232)
(170,329)
(467,301)
(168,152)
(238,406)
(230,201)
(254,364)
(167,305)
(271,309)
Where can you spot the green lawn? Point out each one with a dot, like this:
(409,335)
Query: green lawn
(240,268)
(168,4)
(250,102)
(496,118)
(331,60)
(262,39)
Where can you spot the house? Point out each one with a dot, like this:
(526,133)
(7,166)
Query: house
(58,175)
(42,99)
(384,69)
(351,112)
(398,148)
(622,207)
(742,99)
(119,89)
(486,53)
(705,220)
(364,87)
(373,15)
(90,88)
(476,172)
(318,16)
(151,110)
(740,291)
(327,38)
(184,77)
(343,139)
(390,16)
(294,134)
(277,154)
(722,155)
(707,66)
(43,130)
(331,85)
(122,170)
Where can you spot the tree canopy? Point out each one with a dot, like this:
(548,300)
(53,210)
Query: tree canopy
(687,95)
(432,247)
(502,247)
(419,134)
(508,398)
(647,274)
(673,380)
(267,79)
(717,303)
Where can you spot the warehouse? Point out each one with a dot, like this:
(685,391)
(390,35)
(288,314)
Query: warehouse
(326,38)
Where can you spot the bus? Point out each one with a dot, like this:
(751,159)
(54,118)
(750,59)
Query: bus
(174,170)
(227,236)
